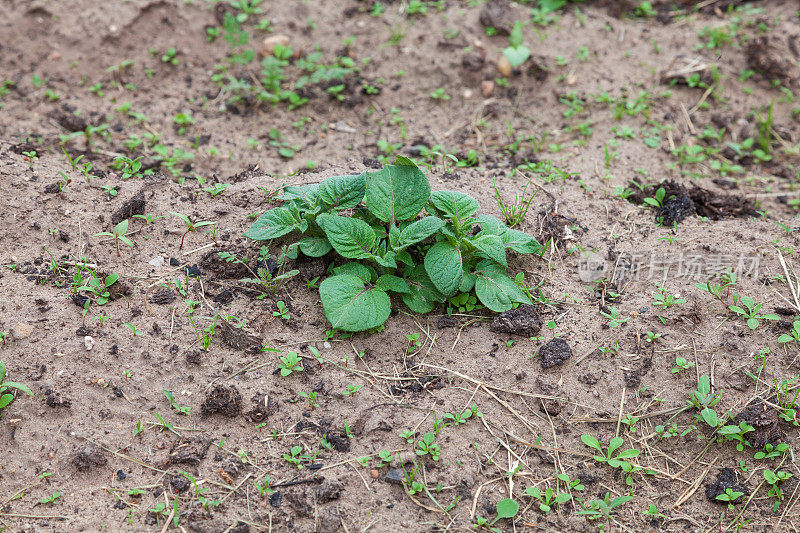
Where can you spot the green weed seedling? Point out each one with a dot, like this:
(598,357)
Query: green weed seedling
(771,451)
(793,336)
(613,316)
(703,400)
(774,480)
(750,311)
(666,299)
(283,311)
(171,399)
(516,52)
(118,234)
(608,456)
(548,498)
(50,499)
(7,388)
(737,434)
(681,364)
(291,362)
(506,508)
(730,496)
(190,225)
(596,509)
(424,260)
(99,288)
(427,446)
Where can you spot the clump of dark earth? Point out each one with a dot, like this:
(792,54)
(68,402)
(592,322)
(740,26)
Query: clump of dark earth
(222,400)
(554,353)
(524,320)
(727,479)
(765,422)
(88,457)
(133,206)
(162,297)
(189,451)
(680,203)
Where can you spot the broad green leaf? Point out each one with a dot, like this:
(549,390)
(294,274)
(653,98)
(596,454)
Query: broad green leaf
(405,258)
(507,508)
(351,237)
(366,273)
(444,266)
(5,400)
(315,246)
(752,323)
(397,192)
(517,55)
(342,192)
(394,237)
(419,230)
(273,224)
(306,193)
(515,38)
(520,242)
(121,228)
(628,454)
(490,225)
(710,416)
(350,305)
(495,289)
(388,282)
(563,497)
(492,246)
(454,204)
(423,296)
(615,443)
(467,283)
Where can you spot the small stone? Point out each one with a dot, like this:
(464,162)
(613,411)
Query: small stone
(269,44)
(504,66)
(395,476)
(88,342)
(487,88)
(467,94)
(121,475)
(22,331)
(157,261)
(343,127)
(374,474)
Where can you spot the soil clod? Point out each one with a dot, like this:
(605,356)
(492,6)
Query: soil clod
(88,457)
(224,400)
(524,321)
(727,479)
(554,353)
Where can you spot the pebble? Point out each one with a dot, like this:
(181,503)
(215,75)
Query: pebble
(374,474)
(268,46)
(467,94)
(395,476)
(343,127)
(88,342)
(504,66)
(22,330)
(487,88)
(157,261)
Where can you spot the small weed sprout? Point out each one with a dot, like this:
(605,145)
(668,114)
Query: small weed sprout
(118,234)
(7,388)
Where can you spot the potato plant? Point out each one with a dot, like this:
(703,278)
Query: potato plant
(373,219)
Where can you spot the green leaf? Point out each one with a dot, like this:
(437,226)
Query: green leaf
(349,305)
(495,289)
(613,444)
(423,296)
(308,194)
(515,38)
(18,386)
(315,246)
(492,246)
(343,192)
(366,273)
(444,266)
(710,416)
(520,242)
(5,400)
(591,442)
(752,323)
(517,55)
(386,260)
(397,192)
(490,225)
(273,224)
(467,283)
(351,237)
(419,230)
(388,282)
(507,508)
(785,338)
(454,204)
(628,454)
(121,228)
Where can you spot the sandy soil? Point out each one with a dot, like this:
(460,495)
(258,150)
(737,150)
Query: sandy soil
(604,113)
